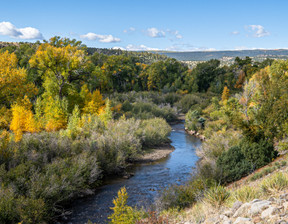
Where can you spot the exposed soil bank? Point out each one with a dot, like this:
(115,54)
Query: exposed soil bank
(196,134)
(153,155)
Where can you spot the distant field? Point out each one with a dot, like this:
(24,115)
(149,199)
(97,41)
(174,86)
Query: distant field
(207,55)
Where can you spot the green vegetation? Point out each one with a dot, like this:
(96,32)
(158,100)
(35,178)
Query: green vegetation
(275,183)
(216,196)
(70,116)
(122,213)
(246,194)
(245,129)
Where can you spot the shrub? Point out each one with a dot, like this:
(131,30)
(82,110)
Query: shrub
(256,176)
(246,194)
(146,110)
(218,143)
(5,152)
(172,98)
(193,121)
(63,178)
(116,145)
(263,172)
(177,197)
(258,153)
(188,101)
(31,210)
(233,165)
(216,196)
(42,148)
(183,196)
(153,218)
(283,163)
(275,183)
(153,132)
(7,206)
(27,210)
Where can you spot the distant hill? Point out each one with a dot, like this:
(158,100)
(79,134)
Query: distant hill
(148,57)
(143,56)
(207,55)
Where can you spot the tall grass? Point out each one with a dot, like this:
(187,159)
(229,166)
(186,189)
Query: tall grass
(216,196)
(275,183)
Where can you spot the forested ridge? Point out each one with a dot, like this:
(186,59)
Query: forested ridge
(69,118)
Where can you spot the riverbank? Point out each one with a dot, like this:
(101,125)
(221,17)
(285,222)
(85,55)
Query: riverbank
(196,134)
(160,167)
(261,197)
(152,155)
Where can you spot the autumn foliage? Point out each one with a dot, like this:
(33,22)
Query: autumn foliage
(22,119)
(13,80)
(225,94)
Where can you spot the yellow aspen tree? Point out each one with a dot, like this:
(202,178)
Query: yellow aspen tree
(13,80)
(122,213)
(22,119)
(93,102)
(225,94)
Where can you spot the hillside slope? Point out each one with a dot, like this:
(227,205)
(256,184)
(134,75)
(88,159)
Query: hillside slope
(261,197)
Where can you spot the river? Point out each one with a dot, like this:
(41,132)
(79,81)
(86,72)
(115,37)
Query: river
(143,187)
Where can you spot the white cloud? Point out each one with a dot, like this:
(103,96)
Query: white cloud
(235,32)
(130,30)
(121,48)
(241,48)
(175,47)
(175,33)
(132,47)
(188,47)
(257,30)
(154,32)
(141,47)
(101,38)
(28,33)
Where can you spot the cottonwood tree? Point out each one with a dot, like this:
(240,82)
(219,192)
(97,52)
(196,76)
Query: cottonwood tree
(13,80)
(60,66)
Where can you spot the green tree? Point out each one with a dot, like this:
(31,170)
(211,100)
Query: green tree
(62,66)
(202,76)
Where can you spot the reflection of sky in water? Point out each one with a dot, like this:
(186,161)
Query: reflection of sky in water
(148,180)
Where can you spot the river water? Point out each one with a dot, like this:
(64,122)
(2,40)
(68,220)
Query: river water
(145,185)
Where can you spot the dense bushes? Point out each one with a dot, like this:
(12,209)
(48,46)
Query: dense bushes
(46,170)
(240,160)
(153,132)
(13,208)
(233,165)
(193,121)
(146,105)
(142,110)
(183,196)
(258,153)
(188,101)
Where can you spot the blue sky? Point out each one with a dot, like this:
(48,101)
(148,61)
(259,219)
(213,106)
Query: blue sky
(180,25)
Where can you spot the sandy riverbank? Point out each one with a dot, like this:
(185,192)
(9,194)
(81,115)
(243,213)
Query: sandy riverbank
(155,154)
